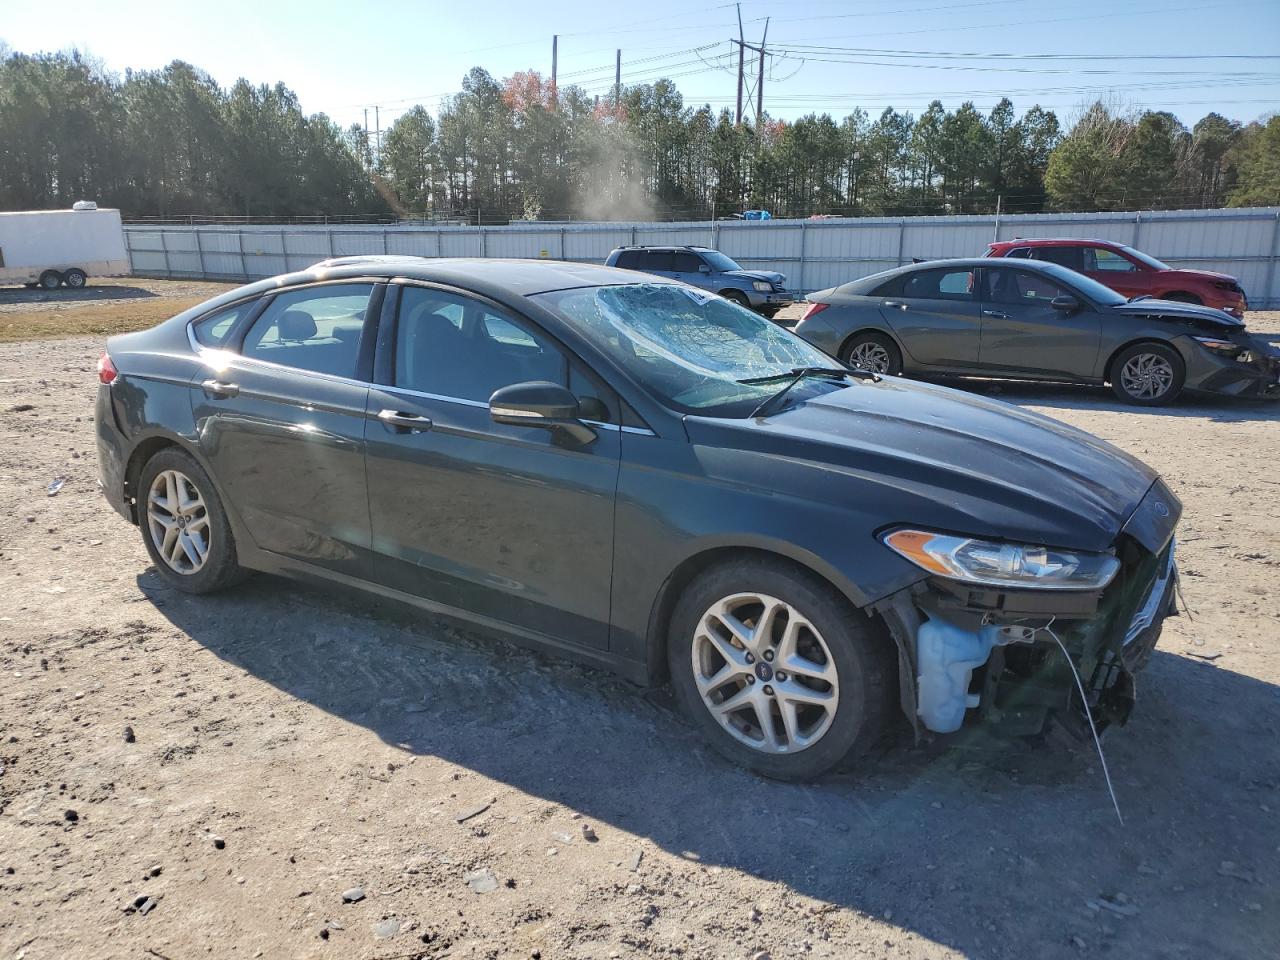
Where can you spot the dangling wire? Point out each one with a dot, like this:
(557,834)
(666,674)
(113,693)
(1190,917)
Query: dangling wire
(1089,714)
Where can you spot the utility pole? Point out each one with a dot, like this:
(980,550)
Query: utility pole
(617,83)
(741,45)
(555,57)
(760,80)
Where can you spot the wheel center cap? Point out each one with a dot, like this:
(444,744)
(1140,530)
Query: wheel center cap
(764,671)
(182,521)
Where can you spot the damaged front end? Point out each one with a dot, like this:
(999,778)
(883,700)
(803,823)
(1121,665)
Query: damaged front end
(971,653)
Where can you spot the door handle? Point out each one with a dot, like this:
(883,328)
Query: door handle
(997,314)
(895,304)
(395,420)
(220,388)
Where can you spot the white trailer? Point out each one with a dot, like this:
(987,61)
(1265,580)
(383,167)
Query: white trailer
(53,247)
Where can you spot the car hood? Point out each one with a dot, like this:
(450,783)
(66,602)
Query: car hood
(937,458)
(769,275)
(1179,310)
(1202,275)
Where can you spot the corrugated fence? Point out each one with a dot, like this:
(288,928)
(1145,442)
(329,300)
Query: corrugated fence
(814,254)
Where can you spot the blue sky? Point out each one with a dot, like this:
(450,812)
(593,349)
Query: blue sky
(342,57)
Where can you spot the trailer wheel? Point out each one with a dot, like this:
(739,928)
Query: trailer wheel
(75,278)
(50,279)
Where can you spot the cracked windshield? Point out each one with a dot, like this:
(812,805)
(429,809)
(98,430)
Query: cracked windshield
(693,350)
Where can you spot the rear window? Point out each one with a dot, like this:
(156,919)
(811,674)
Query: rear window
(628,260)
(657,260)
(214,330)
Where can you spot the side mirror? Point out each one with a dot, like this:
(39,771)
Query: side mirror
(539,403)
(1066,304)
(703,268)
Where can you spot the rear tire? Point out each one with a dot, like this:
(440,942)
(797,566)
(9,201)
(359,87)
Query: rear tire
(184,526)
(75,278)
(50,279)
(1147,374)
(872,351)
(813,723)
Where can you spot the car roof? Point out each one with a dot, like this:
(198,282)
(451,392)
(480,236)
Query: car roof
(521,277)
(1059,241)
(664,246)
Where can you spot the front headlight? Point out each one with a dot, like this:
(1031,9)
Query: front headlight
(761,286)
(1003,564)
(1218,345)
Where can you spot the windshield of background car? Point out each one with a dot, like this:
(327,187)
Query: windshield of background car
(1089,287)
(719,261)
(689,348)
(1146,258)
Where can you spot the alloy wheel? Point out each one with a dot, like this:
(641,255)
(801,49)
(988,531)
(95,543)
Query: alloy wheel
(1146,376)
(178,521)
(765,673)
(869,355)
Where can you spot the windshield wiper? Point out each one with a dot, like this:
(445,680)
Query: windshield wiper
(796,374)
(1141,296)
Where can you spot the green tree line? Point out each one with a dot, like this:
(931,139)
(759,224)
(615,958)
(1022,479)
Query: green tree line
(174,143)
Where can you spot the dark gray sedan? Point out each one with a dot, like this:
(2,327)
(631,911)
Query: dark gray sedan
(649,478)
(1037,321)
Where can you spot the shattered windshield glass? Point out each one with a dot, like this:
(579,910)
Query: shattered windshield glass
(689,348)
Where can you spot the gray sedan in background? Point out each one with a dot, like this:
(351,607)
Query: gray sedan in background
(1037,321)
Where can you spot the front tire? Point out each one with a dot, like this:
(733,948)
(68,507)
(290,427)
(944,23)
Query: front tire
(184,526)
(50,279)
(737,296)
(873,351)
(1147,374)
(777,670)
(75,278)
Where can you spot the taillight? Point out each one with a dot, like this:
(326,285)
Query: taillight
(813,310)
(106,369)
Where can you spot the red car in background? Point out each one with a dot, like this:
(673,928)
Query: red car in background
(1130,272)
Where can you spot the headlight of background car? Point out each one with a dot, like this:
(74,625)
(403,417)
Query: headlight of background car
(761,286)
(1003,564)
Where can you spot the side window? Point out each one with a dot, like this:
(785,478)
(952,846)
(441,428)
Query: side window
(657,260)
(471,359)
(1021,253)
(685,262)
(213,331)
(1107,260)
(1018,286)
(316,329)
(890,288)
(1070,257)
(628,260)
(939,285)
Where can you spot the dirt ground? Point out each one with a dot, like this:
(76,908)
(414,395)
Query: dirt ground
(190,777)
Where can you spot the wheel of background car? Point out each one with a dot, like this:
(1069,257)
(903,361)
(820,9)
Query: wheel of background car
(184,526)
(737,296)
(873,351)
(75,278)
(50,279)
(777,670)
(1149,374)
(1183,298)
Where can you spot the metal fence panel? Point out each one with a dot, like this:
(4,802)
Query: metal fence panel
(814,254)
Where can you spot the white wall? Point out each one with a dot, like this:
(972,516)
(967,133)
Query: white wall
(814,254)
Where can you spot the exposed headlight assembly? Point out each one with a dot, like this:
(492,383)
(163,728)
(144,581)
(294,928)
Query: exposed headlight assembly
(1218,345)
(761,286)
(1003,564)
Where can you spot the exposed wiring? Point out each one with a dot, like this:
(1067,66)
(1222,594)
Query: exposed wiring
(1089,714)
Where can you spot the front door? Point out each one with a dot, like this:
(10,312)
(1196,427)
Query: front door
(281,420)
(1118,272)
(1023,333)
(935,316)
(506,522)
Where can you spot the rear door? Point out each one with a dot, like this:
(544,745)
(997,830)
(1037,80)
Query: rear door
(660,262)
(1023,333)
(501,521)
(280,418)
(934,314)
